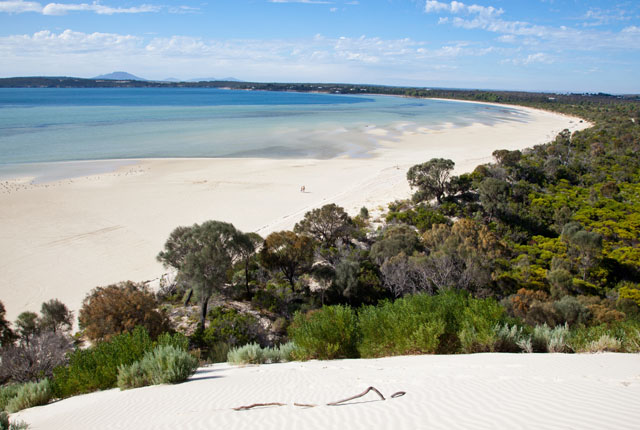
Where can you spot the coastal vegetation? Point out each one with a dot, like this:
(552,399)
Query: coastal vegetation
(535,252)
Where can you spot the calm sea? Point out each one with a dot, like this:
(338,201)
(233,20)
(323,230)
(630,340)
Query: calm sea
(47,125)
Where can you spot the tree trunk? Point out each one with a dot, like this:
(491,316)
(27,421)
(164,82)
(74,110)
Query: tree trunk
(246,279)
(204,304)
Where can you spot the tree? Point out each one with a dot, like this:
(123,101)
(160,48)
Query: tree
(247,244)
(55,316)
(36,360)
(120,308)
(494,196)
(7,337)
(326,224)
(27,326)
(396,239)
(203,255)
(288,252)
(431,178)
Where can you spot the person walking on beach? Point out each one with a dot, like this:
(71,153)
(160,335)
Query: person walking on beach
(302,189)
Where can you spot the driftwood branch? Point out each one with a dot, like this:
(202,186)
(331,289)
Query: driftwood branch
(357,396)
(257,405)
(308,405)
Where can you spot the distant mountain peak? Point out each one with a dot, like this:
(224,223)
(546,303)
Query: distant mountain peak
(120,76)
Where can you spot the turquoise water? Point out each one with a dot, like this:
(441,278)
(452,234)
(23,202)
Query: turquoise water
(55,125)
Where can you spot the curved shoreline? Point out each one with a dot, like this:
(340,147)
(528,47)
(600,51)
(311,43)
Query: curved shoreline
(62,239)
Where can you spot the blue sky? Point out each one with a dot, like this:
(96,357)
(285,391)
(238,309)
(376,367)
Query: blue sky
(537,45)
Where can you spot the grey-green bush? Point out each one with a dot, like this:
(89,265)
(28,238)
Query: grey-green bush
(253,354)
(510,338)
(7,393)
(31,394)
(5,424)
(166,364)
(546,339)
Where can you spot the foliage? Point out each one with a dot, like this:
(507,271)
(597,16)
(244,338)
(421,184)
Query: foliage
(395,239)
(35,360)
(511,338)
(326,333)
(326,225)
(431,178)
(412,325)
(29,395)
(289,253)
(96,368)
(547,339)
(5,424)
(231,327)
(115,309)
(422,217)
(589,339)
(203,255)
(252,353)
(55,316)
(477,329)
(27,326)
(7,336)
(8,392)
(165,364)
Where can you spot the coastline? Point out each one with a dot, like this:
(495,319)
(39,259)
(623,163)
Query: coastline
(62,239)
(479,391)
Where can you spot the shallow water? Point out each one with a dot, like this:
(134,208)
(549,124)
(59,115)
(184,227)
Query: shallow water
(45,125)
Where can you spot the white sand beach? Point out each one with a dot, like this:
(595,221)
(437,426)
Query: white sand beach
(62,239)
(479,391)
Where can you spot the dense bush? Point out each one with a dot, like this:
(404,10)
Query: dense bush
(96,368)
(412,325)
(8,392)
(30,394)
(5,424)
(165,364)
(477,328)
(231,327)
(622,336)
(327,333)
(109,311)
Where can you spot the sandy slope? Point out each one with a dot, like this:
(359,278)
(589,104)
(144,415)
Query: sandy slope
(480,391)
(62,239)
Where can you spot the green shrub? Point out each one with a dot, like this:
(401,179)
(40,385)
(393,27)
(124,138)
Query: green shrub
(571,311)
(7,393)
(477,327)
(231,327)
(411,325)
(166,364)
(585,339)
(5,424)
(31,394)
(177,340)
(96,368)
(605,343)
(253,354)
(327,333)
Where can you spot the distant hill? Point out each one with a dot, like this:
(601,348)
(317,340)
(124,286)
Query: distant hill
(229,79)
(120,76)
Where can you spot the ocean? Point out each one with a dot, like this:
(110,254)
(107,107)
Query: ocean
(47,129)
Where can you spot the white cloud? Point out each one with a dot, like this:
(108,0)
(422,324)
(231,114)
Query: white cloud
(63,8)
(457,7)
(19,6)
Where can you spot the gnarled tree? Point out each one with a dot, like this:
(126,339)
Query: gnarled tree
(203,255)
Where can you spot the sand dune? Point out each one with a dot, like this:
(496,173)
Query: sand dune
(64,238)
(480,391)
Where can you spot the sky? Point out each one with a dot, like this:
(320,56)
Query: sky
(533,45)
